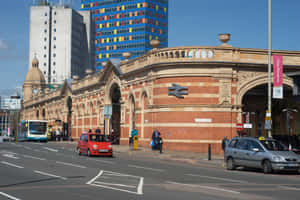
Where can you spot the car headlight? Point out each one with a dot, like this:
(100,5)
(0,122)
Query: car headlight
(95,146)
(110,146)
(278,159)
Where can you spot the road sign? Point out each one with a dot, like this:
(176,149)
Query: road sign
(248,125)
(278,92)
(268,124)
(239,127)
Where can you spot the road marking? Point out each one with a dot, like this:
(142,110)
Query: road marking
(52,175)
(70,164)
(50,149)
(103,161)
(140,187)
(288,188)
(9,196)
(110,173)
(27,147)
(147,168)
(13,165)
(10,156)
(113,186)
(129,186)
(33,157)
(37,143)
(93,179)
(8,152)
(204,187)
(217,178)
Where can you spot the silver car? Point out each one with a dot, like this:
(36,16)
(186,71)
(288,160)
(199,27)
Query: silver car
(264,153)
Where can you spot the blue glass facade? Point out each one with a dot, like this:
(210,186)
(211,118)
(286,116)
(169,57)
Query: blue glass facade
(127,26)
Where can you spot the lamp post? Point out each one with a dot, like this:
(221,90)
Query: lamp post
(269,66)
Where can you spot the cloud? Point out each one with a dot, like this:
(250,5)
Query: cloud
(3,45)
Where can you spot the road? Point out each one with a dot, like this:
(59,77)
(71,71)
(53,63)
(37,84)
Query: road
(48,171)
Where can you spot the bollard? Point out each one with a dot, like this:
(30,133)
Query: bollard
(135,142)
(160,146)
(209,151)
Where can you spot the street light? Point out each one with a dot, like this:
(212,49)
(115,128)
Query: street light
(269,65)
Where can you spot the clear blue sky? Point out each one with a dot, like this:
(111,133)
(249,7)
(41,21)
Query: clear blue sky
(191,23)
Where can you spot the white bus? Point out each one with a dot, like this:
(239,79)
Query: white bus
(33,130)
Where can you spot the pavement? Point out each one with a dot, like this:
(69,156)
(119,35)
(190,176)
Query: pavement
(181,156)
(194,158)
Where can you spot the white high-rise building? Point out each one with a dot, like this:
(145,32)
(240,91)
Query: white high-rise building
(62,40)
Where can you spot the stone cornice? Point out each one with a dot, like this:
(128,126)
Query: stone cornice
(212,56)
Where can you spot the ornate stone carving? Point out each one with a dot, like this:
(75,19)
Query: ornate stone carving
(225,92)
(246,76)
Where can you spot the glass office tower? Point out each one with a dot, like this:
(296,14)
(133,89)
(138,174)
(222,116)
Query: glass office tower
(127,26)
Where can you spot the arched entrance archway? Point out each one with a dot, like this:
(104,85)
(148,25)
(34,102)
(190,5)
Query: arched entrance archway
(254,106)
(131,113)
(115,127)
(68,124)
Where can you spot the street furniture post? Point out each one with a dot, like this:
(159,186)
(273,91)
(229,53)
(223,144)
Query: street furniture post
(160,145)
(209,151)
(135,142)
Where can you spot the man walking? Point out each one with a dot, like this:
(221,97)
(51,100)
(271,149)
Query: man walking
(224,143)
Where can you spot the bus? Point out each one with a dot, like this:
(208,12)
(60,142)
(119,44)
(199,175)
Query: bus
(33,130)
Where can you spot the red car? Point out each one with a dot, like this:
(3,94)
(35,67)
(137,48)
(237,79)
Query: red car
(94,144)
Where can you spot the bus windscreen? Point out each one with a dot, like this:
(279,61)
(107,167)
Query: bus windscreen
(37,128)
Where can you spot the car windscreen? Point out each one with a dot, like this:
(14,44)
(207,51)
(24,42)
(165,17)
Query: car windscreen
(273,145)
(99,138)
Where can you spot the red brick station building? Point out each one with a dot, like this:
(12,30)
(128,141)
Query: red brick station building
(193,95)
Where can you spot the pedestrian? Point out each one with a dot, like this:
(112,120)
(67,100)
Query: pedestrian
(98,130)
(57,134)
(224,143)
(133,133)
(155,139)
(90,130)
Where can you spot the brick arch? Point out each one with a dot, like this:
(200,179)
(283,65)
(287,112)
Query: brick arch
(256,81)
(109,87)
(144,92)
(143,103)
(252,83)
(131,105)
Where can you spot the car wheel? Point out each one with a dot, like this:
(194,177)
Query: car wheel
(267,167)
(230,164)
(89,153)
(78,151)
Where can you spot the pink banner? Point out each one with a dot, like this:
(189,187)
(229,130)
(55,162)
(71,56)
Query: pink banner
(277,70)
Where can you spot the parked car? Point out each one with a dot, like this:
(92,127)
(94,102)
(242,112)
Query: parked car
(264,153)
(94,144)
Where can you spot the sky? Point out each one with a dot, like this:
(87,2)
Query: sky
(191,23)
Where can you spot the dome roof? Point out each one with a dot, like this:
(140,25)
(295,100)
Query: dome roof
(35,62)
(35,75)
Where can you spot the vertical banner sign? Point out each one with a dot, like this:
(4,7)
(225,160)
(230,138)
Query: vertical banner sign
(277,77)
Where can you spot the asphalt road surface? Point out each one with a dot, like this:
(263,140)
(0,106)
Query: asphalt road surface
(52,171)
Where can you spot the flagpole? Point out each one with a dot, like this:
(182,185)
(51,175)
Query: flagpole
(269,65)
